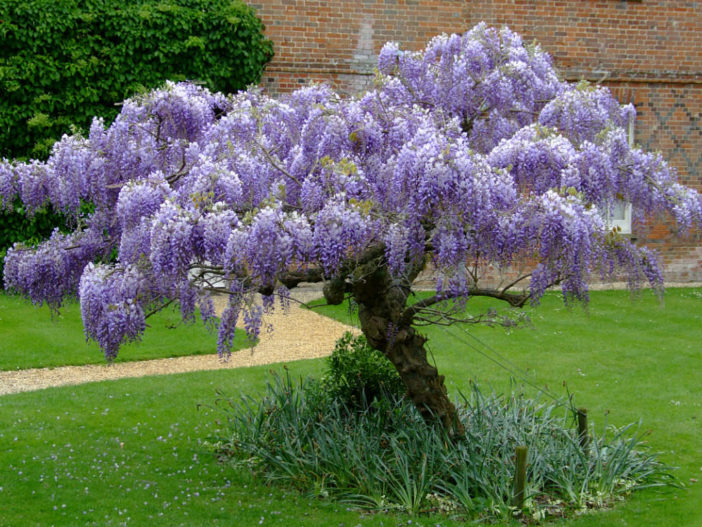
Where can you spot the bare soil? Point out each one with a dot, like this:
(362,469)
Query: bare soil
(299,333)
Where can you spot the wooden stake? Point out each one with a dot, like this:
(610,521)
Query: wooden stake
(582,429)
(520,477)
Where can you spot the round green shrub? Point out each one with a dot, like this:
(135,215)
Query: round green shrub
(358,374)
(64,61)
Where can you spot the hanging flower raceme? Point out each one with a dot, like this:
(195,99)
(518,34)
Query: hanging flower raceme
(112,302)
(172,248)
(341,232)
(8,185)
(568,243)
(581,112)
(209,181)
(217,227)
(35,181)
(535,157)
(141,199)
(137,202)
(270,245)
(71,163)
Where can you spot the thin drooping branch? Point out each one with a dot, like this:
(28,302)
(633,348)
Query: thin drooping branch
(412,311)
(430,317)
(159,308)
(513,299)
(435,317)
(277,166)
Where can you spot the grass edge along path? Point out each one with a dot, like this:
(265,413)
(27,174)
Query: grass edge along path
(300,334)
(33,337)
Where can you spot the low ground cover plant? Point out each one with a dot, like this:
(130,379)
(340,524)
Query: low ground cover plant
(380,454)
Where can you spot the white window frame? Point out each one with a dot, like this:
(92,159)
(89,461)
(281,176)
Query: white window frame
(624,224)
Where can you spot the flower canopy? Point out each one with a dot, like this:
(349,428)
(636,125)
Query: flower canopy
(471,150)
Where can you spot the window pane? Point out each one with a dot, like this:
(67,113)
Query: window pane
(618,211)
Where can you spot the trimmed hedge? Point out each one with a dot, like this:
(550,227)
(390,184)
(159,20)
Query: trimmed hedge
(64,61)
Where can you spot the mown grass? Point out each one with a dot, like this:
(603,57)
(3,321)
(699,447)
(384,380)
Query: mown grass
(634,359)
(130,452)
(34,338)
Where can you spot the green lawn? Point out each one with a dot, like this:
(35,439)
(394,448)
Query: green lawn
(129,452)
(33,338)
(638,360)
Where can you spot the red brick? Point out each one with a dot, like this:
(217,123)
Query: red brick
(652,50)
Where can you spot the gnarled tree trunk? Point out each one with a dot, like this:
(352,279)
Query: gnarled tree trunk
(381,305)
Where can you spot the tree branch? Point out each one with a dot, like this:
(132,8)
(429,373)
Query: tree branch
(270,159)
(160,308)
(513,299)
(173,178)
(292,278)
(515,282)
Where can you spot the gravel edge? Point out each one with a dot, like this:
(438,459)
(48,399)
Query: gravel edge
(298,333)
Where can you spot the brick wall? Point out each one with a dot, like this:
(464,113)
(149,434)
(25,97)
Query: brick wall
(647,51)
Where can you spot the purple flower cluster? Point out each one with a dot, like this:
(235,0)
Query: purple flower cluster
(472,150)
(268,246)
(487,78)
(340,232)
(112,303)
(50,272)
(172,243)
(8,185)
(583,111)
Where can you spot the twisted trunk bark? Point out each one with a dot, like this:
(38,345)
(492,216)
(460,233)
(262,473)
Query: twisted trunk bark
(381,305)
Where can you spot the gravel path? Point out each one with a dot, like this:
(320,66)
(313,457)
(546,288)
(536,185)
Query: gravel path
(299,334)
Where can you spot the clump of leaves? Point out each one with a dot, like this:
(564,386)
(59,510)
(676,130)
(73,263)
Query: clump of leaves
(358,374)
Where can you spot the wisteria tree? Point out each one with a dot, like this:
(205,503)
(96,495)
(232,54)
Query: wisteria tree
(469,153)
